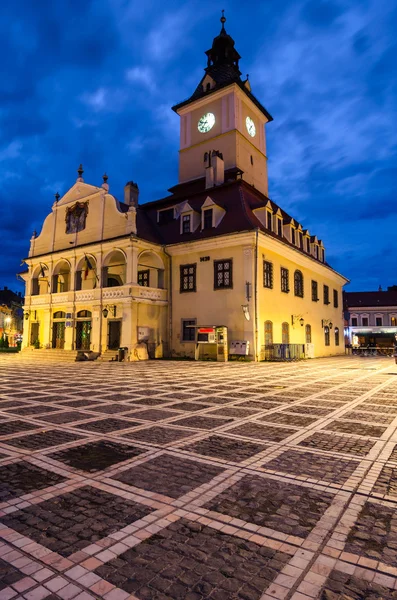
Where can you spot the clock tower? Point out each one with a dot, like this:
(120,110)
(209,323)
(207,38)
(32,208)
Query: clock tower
(223,115)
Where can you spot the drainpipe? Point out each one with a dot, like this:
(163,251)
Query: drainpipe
(256,295)
(169,301)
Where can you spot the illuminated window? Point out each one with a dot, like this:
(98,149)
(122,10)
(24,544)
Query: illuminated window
(186,224)
(223,274)
(298,284)
(326,336)
(314,291)
(308,333)
(143,278)
(267,274)
(336,336)
(393,321)
(284,280)
(187,278)
(188,330)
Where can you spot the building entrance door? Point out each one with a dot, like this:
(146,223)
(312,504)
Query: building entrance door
(83,335)
(114,334)
(58,334)
(34,333)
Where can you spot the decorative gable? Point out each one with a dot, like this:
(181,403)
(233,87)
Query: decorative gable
(218,212)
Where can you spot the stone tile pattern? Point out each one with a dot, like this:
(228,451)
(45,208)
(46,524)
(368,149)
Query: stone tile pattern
(189,560)
(70,522)
(324,468)
(44,439)
(8,575)
(96,456)
(342,586)
(17,479)
(169,475)
(284,507)
(375,533)
(338,443)
(225,448)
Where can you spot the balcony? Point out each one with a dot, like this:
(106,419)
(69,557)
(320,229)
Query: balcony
(110,294)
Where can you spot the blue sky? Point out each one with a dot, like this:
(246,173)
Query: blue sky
(93,82)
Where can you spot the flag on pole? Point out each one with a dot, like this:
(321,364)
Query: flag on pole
(42,272)
(88,266)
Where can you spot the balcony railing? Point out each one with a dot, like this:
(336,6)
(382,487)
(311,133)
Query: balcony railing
(283,352)
(108,294)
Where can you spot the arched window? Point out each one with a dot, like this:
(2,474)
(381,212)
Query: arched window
(326,336)
(308,332)
(298,284)
(84,314)
(285,333)
(114,269)
(336,336)
(61,277)
(59,315)
(87,277)
(268,333)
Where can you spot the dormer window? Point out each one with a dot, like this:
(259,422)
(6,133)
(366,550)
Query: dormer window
(293,238)
(186,223)
(208,86)
(280,227)
(301,240)
(308,245)
(269,220)
(165,216)
(316,251)
(208,218)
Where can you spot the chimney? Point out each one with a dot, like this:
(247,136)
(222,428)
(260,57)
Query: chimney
(131,193)
(5,288)
(209,177)
(219,167)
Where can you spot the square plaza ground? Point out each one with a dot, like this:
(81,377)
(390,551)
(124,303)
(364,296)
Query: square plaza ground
(179,480)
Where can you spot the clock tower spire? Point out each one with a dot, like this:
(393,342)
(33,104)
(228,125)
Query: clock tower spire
(223,115)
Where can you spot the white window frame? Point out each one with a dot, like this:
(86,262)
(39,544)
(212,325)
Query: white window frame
(364,316)
(202,217)
(354,316)
(379,316)
(186,214)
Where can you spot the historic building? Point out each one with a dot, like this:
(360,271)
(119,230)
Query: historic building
(371,318)
(105,273)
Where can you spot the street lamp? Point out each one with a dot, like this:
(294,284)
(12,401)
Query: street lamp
(108,308)
(297,318)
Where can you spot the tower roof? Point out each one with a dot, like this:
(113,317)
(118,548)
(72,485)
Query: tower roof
(223,68)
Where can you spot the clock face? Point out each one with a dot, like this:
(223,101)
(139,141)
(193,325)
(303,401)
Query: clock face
(250,126)
(206,122)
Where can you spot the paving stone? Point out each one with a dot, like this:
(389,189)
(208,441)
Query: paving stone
(80,403)
(149,402)
(107,425)
(356,428)
(202,422)
(262,432)
(159,435)
(287,419)
(70,522)
(374,534)
(189,406)
(17,479)
(9,575)
(65,417)
(11,403)
(347,587)
(238,413)
(310,410)
(387,481)
(338,443)
(281,506)
(10,427)
(225,448)
(190,561)
(169,475)
(34,410)
(153,414)
(316,466)
(367,416)
(259,404)
(44,439)
(96,456)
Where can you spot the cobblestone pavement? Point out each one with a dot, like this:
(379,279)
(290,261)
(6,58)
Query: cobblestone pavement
(190,481)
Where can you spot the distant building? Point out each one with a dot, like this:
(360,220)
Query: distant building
(105,273)
(371,317)
(11,315)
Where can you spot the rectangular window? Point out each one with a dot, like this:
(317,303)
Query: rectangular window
(393,321)
(364,321)
(223,274)
(187,278)
(280,227)
(316,251)
(186,224)
(144,278)
(308,245)
(284,280)
(207,221)
(188,330)
(314,291)
(354,322)
(293,235)
(326,336)
(326,294)
(301,240)
(269,220)
(379,322)
(267,274)
(165,216)
(336,299)
(322,255)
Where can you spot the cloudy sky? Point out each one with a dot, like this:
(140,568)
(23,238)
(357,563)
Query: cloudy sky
(93,81)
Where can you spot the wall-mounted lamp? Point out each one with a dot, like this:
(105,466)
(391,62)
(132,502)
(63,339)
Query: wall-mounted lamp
(27,315)
(326,323)
(246,311)
(297,319)
(108,308)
